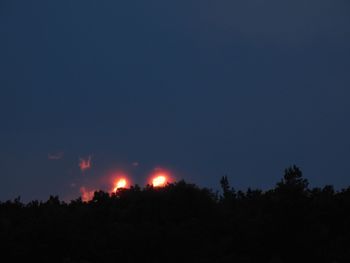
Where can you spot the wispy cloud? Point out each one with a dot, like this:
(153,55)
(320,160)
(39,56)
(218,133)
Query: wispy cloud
(55,156)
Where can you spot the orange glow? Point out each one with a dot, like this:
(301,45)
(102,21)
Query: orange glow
(120,183)
(86,195)
(159,180)
(160,177)
(85,164)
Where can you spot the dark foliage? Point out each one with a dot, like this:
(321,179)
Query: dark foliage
(183,223)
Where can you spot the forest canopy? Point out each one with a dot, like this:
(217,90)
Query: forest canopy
(182,222)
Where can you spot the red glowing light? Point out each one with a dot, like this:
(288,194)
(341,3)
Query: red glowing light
(85,164)
(120,183)
(86,195)
(160,180)
(160,177)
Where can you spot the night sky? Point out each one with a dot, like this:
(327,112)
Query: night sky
(200,88)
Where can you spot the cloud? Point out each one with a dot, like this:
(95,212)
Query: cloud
(55,156)
(85,164)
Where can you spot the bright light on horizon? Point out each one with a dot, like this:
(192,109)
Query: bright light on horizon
(120,183)
(159,180)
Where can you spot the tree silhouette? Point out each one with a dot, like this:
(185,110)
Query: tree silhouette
(182,222)
(228,192)
(293,184)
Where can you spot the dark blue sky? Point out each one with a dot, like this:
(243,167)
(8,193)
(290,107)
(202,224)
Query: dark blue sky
(199,87)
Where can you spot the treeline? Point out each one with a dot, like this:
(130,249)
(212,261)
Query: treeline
(183,223)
